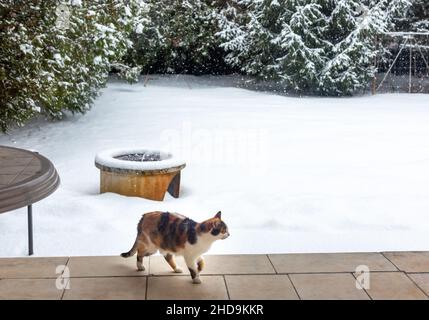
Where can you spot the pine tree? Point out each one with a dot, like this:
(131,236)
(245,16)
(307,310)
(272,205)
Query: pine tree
(311,46)
(302,46)
(419,14)
(278,40)
(177,36)
(234,21)
(416,19)
(353,30)
(54,57)
(352,64)
(246,31)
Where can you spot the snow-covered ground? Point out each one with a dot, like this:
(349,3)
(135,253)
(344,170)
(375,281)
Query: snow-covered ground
(289,174)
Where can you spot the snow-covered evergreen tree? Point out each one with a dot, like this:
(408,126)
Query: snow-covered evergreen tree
(245,28)
(420,15)
(280,40)
(352,63)
(354,28)
(302,45)
(311,46)
(177,36)
(416,19)
(55,57)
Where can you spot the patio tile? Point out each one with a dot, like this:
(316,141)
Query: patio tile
(328,286)
(393,286)
(329,262)
(109,288)
(263,287)
(410,261)
(108,266)
(422,280)
(237,264)
(29,289)
(182,288)
(30,267)
(218,264)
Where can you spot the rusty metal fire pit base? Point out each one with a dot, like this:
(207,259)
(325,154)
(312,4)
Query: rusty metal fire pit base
(146,179)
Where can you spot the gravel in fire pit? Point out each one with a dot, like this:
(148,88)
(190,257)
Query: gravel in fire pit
(140,157)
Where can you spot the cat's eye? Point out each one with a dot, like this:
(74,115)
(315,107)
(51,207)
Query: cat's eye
(215,231)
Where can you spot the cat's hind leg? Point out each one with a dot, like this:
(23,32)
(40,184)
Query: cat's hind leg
(141,253)
(193,269)
(140,266)
(170,259)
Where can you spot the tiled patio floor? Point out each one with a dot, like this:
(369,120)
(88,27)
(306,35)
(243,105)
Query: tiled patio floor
(393,275)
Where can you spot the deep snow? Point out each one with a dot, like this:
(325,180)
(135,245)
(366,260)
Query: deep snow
(289,174)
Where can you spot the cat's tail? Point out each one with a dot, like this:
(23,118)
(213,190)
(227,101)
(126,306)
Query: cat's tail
(131,252)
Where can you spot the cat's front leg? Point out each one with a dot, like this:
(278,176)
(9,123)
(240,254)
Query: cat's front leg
(193,269)
(200,264)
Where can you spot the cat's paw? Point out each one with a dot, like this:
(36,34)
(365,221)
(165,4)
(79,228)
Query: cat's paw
(141,268)
(178,270)
(196,281)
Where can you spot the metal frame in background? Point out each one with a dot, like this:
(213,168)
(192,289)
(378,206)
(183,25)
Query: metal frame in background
(410,43)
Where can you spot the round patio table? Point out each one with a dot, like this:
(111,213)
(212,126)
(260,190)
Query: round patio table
(25,178)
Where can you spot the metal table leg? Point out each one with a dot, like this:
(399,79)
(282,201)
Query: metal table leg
(30,230)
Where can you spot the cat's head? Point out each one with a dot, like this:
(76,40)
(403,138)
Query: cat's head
(216,227)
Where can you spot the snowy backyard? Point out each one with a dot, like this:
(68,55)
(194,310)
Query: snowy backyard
(290,174)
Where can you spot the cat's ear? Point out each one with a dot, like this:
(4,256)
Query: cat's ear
(218,215)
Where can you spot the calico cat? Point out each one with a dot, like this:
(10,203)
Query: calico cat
(173,234)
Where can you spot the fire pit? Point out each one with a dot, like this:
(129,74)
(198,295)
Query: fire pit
(139,172)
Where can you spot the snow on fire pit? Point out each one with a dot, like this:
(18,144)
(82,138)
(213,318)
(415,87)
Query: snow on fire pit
(139,172)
